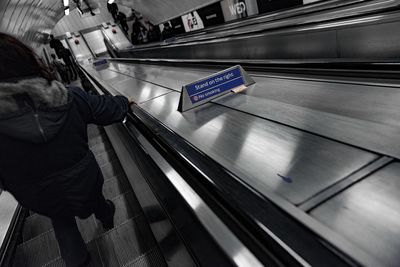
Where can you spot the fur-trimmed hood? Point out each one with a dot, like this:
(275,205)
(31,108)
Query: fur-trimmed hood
(33,110)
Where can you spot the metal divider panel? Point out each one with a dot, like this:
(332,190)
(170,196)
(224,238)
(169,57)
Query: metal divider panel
(368,214)
(95,40)
(361,115)
(269,156)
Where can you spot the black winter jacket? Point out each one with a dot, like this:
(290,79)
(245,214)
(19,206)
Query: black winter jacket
(45,161)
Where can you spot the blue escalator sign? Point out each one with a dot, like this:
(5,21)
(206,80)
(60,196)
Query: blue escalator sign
(218,84)
(215,85)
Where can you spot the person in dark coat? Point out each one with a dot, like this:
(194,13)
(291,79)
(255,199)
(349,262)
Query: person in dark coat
(66,56)
(56,45)
(143,36)
(167,32)
(113,9)
(136,29)
(58,66)
(46,163)
(121,18)
(154,34)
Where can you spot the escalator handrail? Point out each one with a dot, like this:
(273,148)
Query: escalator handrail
(388,69)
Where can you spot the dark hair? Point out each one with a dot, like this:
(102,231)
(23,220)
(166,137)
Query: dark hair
(18,61)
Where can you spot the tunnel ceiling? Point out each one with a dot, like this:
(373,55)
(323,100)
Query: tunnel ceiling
(33,20)
(29,20)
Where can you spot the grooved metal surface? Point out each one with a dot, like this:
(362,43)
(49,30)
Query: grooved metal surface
(38,251)
(151,258)
(35,225)
(111,170)
(116,186)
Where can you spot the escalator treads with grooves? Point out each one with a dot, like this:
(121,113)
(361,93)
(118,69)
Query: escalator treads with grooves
(130,243)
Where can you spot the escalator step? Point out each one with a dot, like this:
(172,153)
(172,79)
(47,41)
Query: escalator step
(132,240)
(126,244)
(90,228)
(111,170)
(94,254)
(120,245)
(96,134)
(97,140)
(152,258)
(106,157)
(35,225)
(113,188)
(127,208)
(100,148)
(116,186)
(37,251)
(95,131)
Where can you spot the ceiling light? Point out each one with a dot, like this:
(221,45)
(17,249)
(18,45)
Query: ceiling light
(66,2)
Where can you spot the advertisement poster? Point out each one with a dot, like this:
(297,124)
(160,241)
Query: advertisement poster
(192,21)
(177,25)
(237,9)
(211,15)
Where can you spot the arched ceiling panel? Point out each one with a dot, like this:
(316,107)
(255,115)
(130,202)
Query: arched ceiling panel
(30,20)
(74,22)
(33,20)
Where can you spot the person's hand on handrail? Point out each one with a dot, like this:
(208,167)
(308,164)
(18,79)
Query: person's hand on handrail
(131,101)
